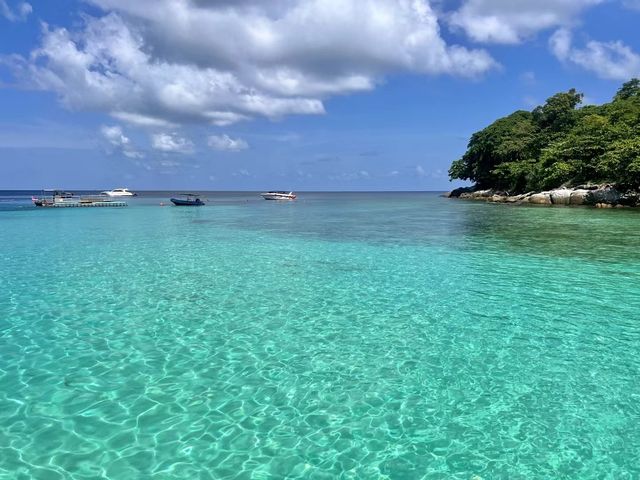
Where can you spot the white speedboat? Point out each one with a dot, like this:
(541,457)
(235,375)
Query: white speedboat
(277,195)
(119,192)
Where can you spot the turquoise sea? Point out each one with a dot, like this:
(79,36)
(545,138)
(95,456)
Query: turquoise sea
(342,336)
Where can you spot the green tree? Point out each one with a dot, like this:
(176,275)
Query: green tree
(557,144)
(509,139)
(622,162)
(558,113)
(628,90)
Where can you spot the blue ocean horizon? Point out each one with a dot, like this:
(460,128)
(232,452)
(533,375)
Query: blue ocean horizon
(396,335)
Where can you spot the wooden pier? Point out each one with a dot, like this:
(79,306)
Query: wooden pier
(86,204)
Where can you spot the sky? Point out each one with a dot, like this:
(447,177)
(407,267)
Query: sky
(285,94)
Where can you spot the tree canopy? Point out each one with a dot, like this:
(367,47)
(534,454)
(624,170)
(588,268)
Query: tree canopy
(558,143)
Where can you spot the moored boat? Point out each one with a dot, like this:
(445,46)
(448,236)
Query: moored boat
(187,200)
(278,195)
(58,199)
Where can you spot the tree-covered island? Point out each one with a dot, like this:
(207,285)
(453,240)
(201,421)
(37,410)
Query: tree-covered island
(583,155)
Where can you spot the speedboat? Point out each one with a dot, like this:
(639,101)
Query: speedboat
(278,195)
(119,192)
(188,200)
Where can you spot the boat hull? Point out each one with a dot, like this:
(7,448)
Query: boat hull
(178,202)
(278,196)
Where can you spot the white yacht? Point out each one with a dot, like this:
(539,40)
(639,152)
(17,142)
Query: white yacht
(119,192)
(278,195)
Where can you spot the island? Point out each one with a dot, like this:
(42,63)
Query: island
(560,153)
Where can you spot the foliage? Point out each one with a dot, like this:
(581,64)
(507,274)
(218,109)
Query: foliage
(557,144)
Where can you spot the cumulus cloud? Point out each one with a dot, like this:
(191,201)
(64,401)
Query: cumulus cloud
(21,12)
(560,43)
(610,60)
(512,21)
(118,141)
(224,142)
(171,143)
(160,62)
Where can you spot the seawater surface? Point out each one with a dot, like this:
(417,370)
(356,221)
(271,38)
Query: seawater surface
(365,336)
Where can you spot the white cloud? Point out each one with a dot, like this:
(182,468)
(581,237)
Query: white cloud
(242,173)
(142,120)
(512,21)
(420,171)
(171,143)
(560,43)
(610,60)
(22,11)
(528,78)
(224,142)
(117,139)
(632,4)
(160,62)
(350,176)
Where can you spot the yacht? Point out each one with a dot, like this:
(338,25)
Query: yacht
(119,192)
(278,195)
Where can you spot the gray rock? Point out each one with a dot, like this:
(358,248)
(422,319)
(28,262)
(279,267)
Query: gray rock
(630,199)
(605,194)
(455,193)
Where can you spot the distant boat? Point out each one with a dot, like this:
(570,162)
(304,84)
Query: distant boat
(119,192)
(189,200)
(59,198)
(278,195)
(62,194)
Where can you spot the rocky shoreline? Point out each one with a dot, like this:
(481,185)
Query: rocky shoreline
(599,196)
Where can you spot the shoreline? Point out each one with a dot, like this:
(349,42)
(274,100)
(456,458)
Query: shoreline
(598,196)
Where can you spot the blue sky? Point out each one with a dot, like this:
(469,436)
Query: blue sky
(314,95)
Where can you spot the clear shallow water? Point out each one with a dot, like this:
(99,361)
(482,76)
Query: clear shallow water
(384,336)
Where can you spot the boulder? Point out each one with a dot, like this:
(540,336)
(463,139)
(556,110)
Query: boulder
(561,196)
(543,198)
(484,193)
(578,197)
(604,194)
(455,193)
(630,199)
